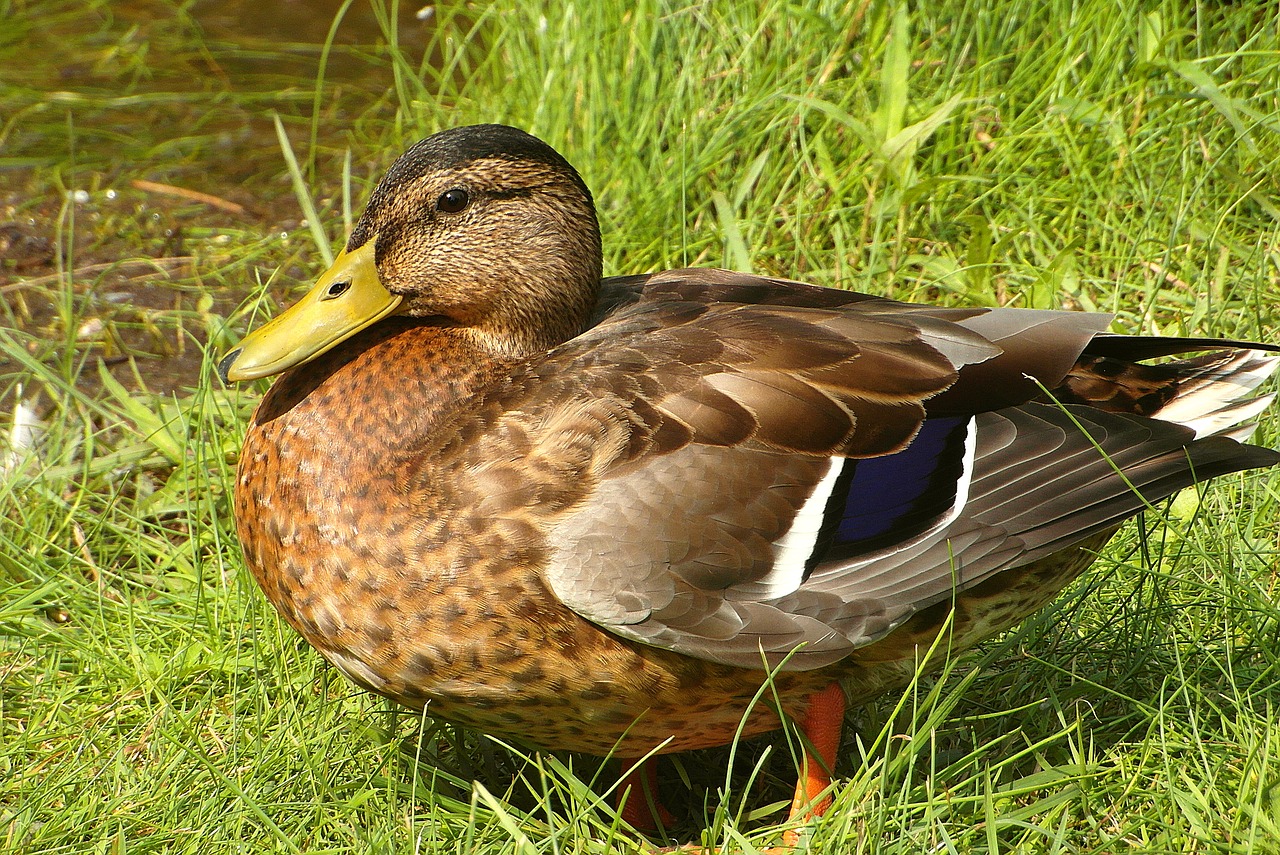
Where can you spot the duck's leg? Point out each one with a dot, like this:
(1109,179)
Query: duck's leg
(637,796)
(822,726)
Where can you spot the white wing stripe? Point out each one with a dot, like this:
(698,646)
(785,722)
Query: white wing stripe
(792,550)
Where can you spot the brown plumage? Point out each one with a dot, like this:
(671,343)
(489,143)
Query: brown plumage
(587,515)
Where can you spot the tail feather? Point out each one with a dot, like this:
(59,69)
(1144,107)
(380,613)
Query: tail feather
(1208,393)
(1216,396)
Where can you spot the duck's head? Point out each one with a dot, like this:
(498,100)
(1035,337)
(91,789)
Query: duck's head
(483,228)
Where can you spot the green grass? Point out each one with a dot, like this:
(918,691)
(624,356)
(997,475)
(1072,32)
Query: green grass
(1091,154)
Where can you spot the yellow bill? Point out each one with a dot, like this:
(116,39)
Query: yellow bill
(346,299)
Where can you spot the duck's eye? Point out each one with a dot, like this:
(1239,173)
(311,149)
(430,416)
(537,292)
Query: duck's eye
(453,201)
(337,289)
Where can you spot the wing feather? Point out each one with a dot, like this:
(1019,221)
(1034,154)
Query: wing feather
(705,408)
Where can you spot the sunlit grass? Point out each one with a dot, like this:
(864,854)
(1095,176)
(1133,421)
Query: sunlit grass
(1089,155)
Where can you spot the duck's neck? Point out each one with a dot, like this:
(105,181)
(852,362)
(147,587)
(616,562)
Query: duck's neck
(526,315)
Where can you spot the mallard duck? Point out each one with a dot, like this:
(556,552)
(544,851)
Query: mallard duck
(598,514)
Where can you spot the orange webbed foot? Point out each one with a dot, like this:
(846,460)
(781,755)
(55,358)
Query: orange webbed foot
(637,797)
(822,726)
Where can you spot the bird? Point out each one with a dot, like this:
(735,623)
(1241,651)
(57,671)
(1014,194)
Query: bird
(600,514)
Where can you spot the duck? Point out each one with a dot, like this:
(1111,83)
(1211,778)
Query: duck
(610,515)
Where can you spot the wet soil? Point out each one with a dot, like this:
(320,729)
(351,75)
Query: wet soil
(139,159)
